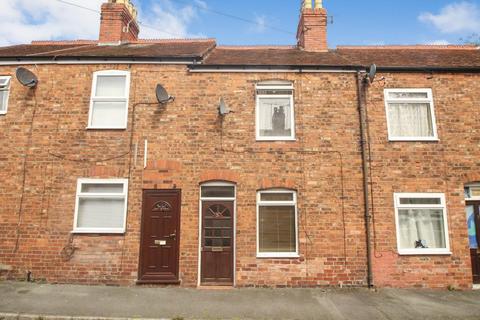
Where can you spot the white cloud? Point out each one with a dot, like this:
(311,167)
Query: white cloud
(261,24)
(438,43)
(164,20)
(22,21)
(455,18)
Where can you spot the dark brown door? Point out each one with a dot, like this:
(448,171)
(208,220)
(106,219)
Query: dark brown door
(160,236)
(473,222)
(217,243)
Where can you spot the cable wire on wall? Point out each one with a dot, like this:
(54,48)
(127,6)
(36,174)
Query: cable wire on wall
(24,172)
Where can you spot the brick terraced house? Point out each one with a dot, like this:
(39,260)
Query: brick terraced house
(288,166)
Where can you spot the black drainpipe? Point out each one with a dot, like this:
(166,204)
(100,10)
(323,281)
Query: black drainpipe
(361,87)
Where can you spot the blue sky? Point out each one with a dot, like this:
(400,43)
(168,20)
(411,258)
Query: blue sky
(370,22)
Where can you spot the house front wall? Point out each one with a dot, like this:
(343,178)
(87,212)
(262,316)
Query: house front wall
(46,148)
(442,166)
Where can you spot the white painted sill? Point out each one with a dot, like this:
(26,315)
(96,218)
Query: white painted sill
(101,128)
(276,139)
(98,231)
(413,139)
(424,252)
(278,256)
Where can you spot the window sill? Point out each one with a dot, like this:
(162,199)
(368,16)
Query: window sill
(3,113)
(278,256)
(99,231)
(275,139)
(412,139)
(95,128)
(424,253)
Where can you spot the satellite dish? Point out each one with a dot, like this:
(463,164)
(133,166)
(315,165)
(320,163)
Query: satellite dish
(372,73)
(26,77)
(162,95)
(222,108)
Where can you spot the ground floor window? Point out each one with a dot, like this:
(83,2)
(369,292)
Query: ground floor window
(101,206)
(421,223)
(277,224)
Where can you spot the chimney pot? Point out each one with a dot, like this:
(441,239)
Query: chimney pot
(318,4)
(307,4)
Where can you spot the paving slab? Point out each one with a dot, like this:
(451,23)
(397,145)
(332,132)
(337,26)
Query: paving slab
(31,301)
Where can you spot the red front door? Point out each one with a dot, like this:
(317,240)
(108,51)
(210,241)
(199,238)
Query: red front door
(217,243)
(160,237)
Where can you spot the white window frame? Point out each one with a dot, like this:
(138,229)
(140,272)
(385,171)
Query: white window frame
(6,88)
(274,85)
(428,100)
(79,195)
(472,198)
(442,205)
(93,98)
(277,203)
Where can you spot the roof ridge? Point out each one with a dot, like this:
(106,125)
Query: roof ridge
(62,42)
(414,46)
(139,41)
(173,40)
(246,47)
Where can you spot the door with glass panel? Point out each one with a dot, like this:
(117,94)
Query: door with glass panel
(473,219)
(217,234)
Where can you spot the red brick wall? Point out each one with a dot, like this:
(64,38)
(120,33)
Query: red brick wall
(443,167)
(188,144)
(117,24)
(312,30)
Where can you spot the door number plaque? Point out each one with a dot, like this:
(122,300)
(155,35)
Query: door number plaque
(161,242)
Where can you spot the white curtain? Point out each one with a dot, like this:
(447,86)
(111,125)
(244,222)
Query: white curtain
(410,120)
(267,109)
(424,225)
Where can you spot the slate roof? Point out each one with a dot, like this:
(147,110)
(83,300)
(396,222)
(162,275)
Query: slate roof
(140,49)
(210,55)
(384,57)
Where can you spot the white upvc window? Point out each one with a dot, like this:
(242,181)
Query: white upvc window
(4,93)
(275,116)
(101,206)
(410,115)
(277,224)
(109,100)
(421,220)
(472,192)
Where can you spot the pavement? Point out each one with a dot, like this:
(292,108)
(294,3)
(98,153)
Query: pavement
(31,301)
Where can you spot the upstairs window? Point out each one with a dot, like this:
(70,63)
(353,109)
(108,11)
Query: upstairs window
(277,224)
(275,111)
(101,206)
(410,115)
(421,223)
(4,92)
(109,101)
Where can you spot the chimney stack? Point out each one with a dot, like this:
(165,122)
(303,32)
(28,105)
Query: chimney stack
(312,28)
(118,22)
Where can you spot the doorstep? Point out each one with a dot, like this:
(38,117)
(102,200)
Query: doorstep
(215,287)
